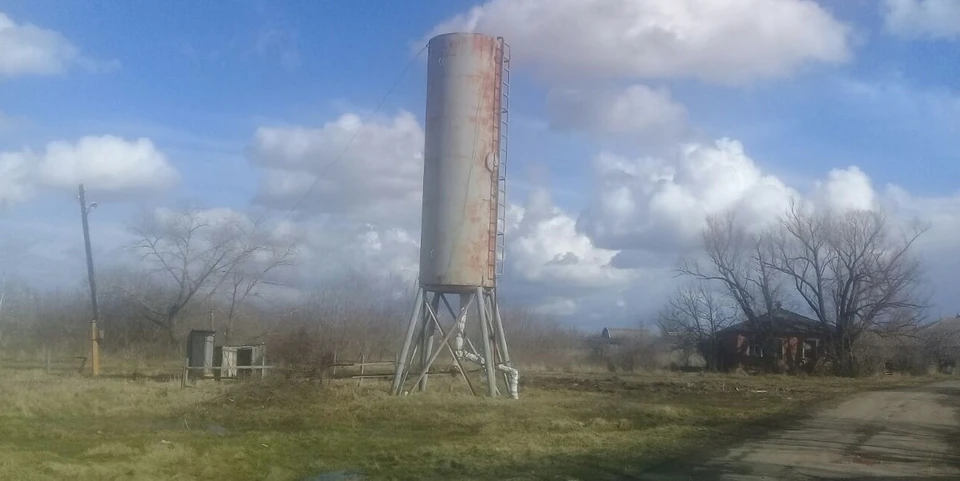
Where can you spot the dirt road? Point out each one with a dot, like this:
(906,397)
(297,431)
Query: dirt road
(909,434)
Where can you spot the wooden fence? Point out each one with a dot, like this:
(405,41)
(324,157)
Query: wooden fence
(361,364)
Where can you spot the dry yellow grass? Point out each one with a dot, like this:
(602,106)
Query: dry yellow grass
(594,426)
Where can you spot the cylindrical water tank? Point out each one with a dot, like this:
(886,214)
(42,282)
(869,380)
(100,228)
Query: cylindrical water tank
(461,162)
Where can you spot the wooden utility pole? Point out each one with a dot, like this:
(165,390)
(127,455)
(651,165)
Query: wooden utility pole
(94,332)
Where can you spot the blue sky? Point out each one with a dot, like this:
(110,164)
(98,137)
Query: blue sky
(200,78)
(203,76)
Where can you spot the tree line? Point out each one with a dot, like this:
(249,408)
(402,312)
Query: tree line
(237,275)
(854,272)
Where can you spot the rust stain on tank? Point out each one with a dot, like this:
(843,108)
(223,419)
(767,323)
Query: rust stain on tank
(464,129)
(474,212)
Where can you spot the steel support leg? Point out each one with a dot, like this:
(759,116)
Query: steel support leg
(408,340)
(498,325)
(487,346)
(428,334)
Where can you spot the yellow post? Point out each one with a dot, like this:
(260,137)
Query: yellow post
(94,349)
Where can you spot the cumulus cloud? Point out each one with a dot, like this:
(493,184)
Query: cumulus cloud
(647,213)
(942,213)
(544,246)
(846,189)
(661,204)
(377,176)
(332,249)
(31,50)
(923,18)
(16,183)
(732,41)
(106,163)
(637,113)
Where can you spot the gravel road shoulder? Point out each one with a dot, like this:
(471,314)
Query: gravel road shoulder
(909,434)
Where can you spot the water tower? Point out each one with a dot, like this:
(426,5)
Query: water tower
(464,204)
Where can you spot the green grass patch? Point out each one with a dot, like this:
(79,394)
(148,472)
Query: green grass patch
(595,426)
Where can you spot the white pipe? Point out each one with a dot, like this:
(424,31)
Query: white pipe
(513,376)
(458,340)
(513,379)
(474,358)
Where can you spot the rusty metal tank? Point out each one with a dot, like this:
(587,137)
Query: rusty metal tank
(462,179)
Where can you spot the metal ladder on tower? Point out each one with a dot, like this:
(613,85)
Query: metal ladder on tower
(502,165)
(499,189)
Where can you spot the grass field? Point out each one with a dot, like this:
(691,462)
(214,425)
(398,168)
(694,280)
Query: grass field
(564,427)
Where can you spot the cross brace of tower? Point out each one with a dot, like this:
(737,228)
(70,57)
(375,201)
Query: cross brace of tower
(427,325)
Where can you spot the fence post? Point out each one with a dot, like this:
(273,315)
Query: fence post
(334,362)
(263,363)
(186,372)
(48,361)
(360,379)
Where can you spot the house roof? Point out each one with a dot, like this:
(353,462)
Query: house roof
(783,321)
(951,323)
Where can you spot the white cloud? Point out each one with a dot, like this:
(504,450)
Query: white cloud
(730,41)
(941,212)
(331,249)
(923,18)
(638,113)
(655,203)
(106,163)
(46,251)
(557,307)
(545,247)
(15,178)
(649,212)
(376,177)
(846,189)
(27,49)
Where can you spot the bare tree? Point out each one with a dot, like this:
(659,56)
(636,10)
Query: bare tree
(853,272)
(693,318)
(18,313)
(740,262)
(193,252)
(247,278)
(342,317)
(940,342)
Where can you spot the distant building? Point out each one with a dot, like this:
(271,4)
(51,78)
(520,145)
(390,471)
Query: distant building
(796,342)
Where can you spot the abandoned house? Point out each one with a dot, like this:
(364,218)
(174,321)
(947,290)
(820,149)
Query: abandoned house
(796,342)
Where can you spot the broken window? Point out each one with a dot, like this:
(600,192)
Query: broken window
(810,348)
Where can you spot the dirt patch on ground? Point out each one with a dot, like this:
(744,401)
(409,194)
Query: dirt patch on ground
(895,434)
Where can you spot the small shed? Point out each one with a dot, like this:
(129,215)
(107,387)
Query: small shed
(231,359)
(200,352)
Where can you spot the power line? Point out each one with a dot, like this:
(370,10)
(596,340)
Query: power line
(356,134)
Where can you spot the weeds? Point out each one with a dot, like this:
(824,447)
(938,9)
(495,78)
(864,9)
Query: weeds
(589,426)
